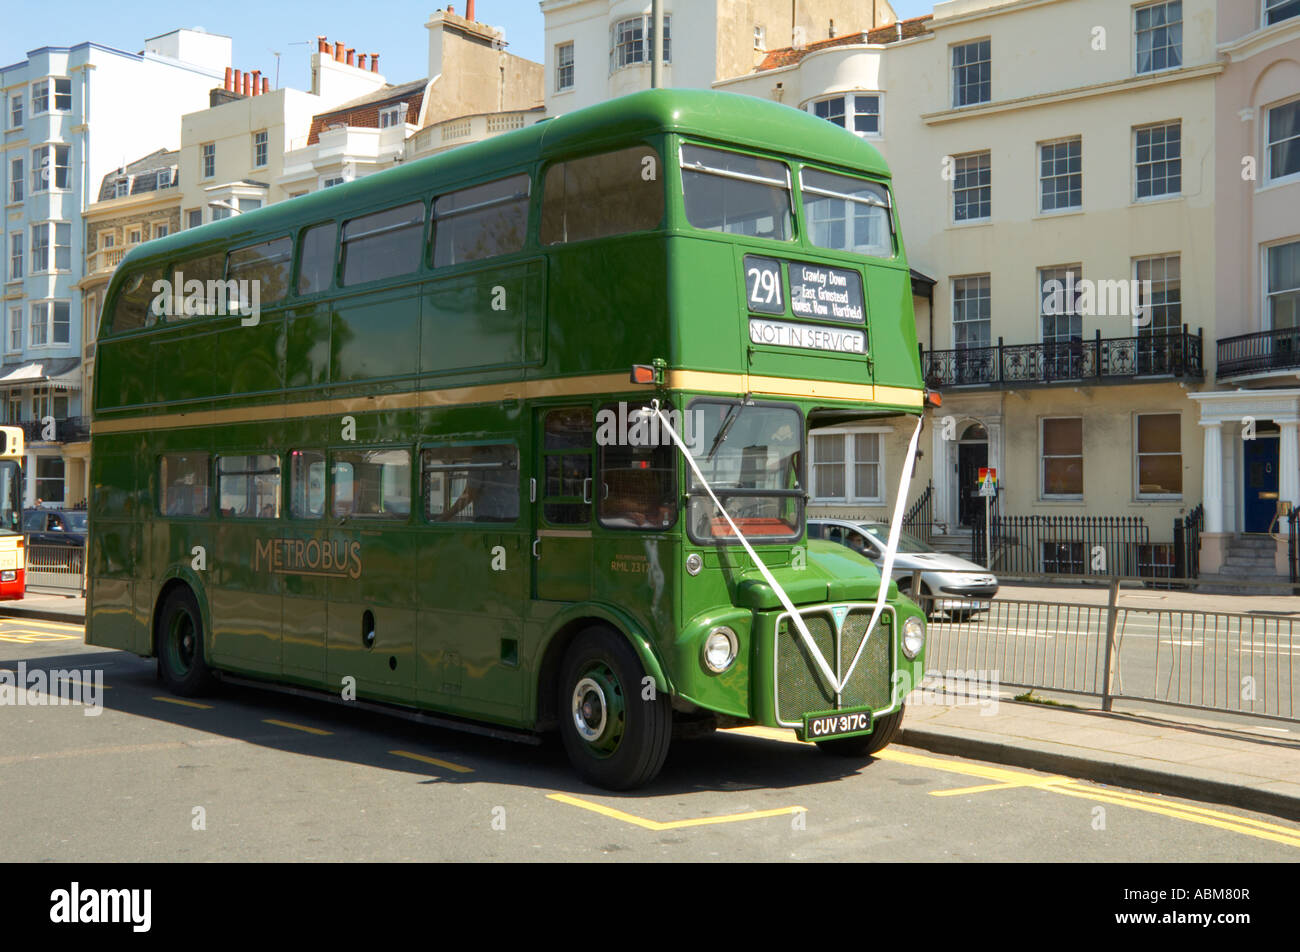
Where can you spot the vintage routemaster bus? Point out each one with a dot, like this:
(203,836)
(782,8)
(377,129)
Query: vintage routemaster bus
(515,435)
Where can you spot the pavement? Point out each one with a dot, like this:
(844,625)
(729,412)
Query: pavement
(1217,758)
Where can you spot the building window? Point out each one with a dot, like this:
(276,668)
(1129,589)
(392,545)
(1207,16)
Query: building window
(15,255)
(1159,160)
(1060,321)
(14,400)
(1284,141)
(971,73)
(15,335)
(1061,175)
(208,152)
(391,116)
(45,234)
(862,108)
(1062,468)
(49,479)
(248,204)
(122,188)
(107,239)
(259,149)
(15,110)
(46,402)
(563,67)
(1275,11)
(1284,286)
(193,217)
(63,95)
(760,38)
(972,187)
(848,467)
(971,311)
(16,179)
(50,165)
(133,236)
(1159,454)
(161,230)
(1159,36)
(221,212)
(166,178)
(40,98)
(40,248)
(50,323)
(1162,307)
(632,42)
(331,181)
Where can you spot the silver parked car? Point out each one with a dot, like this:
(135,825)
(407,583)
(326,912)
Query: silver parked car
(957,586)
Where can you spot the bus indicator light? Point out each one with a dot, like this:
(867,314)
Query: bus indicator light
(643,373)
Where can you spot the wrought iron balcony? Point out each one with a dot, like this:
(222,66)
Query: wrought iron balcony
(1100,360)
(1259,353)
(69,430)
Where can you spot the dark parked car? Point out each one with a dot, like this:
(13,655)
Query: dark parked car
(55,526)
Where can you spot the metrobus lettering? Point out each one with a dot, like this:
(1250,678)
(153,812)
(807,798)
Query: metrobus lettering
(308,557)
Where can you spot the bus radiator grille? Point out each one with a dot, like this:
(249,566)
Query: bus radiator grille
(800,687)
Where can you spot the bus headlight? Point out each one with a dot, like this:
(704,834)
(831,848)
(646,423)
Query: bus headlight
(720,649)
(913,637)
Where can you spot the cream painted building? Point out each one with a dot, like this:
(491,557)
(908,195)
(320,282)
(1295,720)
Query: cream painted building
(233,153)
(1037,141)
(599,49)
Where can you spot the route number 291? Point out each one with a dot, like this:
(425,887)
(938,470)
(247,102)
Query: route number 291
(764,279)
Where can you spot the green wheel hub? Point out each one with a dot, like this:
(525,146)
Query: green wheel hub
(599,709)
(182,643)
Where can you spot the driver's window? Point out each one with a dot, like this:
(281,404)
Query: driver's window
(835,534)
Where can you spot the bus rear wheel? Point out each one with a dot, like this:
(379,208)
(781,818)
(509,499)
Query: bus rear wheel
(614,736)
(180,646)
(865,745)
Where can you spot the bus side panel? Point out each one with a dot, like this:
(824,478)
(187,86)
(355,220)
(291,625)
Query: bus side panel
(486,318)
(184,359)
(124,372)
(248,357)
(372,335)
(703,284)
(113,559)
(893,327)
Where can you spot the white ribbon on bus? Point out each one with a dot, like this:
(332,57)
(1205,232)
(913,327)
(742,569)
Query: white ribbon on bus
(895,526)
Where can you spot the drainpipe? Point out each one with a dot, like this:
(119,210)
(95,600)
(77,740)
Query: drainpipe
(657,31)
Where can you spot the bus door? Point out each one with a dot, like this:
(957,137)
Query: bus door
(564,475)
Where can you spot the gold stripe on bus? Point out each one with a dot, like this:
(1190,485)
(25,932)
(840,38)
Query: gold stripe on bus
(564,533)
(700,381)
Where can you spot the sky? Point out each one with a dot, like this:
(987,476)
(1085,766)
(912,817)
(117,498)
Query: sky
(259,29)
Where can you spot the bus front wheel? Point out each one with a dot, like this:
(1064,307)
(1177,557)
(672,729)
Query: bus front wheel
(865,745)
(180,645)
(615,730)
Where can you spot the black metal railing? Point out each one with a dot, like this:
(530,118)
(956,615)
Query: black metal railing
(1187,544)
(68,430)
(1293,544)
(1255,353)
(1171,353)
(1073,545)
(919,519)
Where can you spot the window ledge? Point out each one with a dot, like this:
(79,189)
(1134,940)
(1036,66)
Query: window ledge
(1157,200)
(1064,213)
(976,223)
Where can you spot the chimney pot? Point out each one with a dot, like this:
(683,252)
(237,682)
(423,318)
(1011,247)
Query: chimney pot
(257,82)
(350,51)
(374,62)
(451,8)
(338,52)
(247,81)
(266,85)
(226,83)
(322,44)
(361,61)
(469,10)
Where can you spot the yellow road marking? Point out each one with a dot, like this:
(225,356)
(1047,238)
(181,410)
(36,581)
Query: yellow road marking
(41,623)
(176,700)
(672,824)
(431,760)
(33,637)
(297,727)
(1008,779)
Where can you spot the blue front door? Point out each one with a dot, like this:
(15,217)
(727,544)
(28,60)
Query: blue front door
(1260,482)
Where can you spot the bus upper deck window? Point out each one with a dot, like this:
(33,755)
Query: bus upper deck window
(481,221)
(268,264)
(599,196)
(737,194)
(136,305)
(316,258)
(846,214)
(383,245)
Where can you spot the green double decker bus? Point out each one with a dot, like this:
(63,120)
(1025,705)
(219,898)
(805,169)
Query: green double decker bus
(513,438)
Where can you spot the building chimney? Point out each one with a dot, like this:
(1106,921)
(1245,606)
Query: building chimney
(338,52)
(451,8)
(469,10)
(226,84)
(322,44)
(257,82)
(361,61)
(374,62)
(266,85)
(248,84)
(349,55)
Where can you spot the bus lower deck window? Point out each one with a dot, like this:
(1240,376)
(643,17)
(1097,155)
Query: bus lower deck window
(248,487)
(471,483)
(372,484)
(183,478)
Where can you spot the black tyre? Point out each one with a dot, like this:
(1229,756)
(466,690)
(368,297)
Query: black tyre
(865,745)
(614,736)
(179,643)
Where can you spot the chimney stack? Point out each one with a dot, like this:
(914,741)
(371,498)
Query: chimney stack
(338,52)
(322,45)
(374,62)
(469,10)
(361,61)
(350,51)
(266,85)
(451,8)
(257,82)
(226,83)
